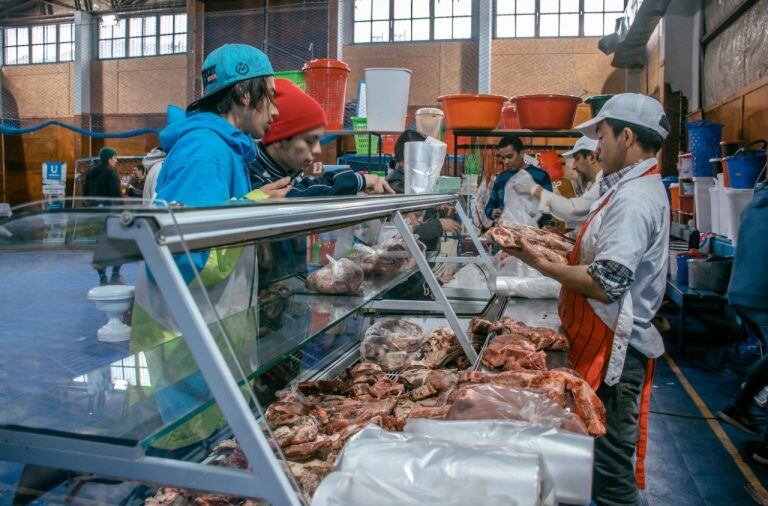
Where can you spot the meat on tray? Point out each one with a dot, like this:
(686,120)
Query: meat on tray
(512,352)
(338,277)
(390,258)
(392,343)
(509,238)
(544,338)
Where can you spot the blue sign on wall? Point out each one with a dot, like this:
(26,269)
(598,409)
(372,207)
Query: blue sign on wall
(54,171)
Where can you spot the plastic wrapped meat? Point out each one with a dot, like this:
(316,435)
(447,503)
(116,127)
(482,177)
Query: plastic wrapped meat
(431,472)
(392,343)
(390,258)
(500,402)
(310,474)
(338,277)
(567,457)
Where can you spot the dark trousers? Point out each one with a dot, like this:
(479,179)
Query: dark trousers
(757,378)
(614,473)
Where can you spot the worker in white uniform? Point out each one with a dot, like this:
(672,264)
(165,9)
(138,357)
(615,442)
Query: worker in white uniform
(573,210)
(614,284)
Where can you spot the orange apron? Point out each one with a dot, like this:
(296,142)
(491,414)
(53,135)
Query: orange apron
(591,342)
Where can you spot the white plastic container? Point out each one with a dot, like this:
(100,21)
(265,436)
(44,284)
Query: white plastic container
(701,197)
(685,166)
(714,209)
(429,121)
(736,200)
(386,99)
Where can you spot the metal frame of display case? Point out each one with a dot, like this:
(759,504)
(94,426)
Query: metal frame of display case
(156,237)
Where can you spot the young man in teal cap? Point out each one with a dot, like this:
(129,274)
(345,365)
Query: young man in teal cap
(209,151)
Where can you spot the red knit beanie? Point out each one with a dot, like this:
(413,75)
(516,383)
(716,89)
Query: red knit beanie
(297,113)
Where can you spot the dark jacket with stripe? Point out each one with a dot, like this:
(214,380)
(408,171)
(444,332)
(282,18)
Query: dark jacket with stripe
(264,170)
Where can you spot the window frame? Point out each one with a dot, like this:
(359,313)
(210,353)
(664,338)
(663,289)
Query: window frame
(537,21)
(143,36)
(391,22)
(29,45)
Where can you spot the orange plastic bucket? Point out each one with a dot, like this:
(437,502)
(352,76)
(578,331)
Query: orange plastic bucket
(546,112)
(465,111)
(326,82)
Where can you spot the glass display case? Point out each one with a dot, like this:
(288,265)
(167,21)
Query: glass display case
(137,333)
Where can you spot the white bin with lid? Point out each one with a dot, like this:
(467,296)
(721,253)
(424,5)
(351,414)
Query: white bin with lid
(386,98)
(735,201)
(701,197)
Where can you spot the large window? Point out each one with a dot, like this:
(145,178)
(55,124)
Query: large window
(556,18)
(142,36)
(38,44)
(411,20)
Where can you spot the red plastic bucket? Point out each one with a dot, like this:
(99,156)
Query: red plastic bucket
(509,119)
(327,83)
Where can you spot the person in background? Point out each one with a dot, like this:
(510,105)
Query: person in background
(435,222)
(135,188)
(748,294)
(102,180)
(614,284)
(505,195)
(590,172)
(152,163)
(396,175)
(293,144)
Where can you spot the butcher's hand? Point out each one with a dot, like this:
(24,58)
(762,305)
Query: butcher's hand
(278,189)
(450,226)
(375,184)
(496,213)
(525,186)
(528,254)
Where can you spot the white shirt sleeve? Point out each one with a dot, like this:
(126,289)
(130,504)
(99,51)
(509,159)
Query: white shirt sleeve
(566,209)
(628,229)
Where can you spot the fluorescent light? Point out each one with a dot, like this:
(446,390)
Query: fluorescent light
(109,20)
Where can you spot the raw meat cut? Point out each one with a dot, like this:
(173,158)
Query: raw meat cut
(310,474)
(436,413)
(544,338)
(338,277)
(510,239)
(511,352)
(392,343)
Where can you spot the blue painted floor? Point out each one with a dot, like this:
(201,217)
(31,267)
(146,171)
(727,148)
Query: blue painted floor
(48,332)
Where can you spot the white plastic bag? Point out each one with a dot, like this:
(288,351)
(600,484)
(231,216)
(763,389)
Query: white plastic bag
(568,457)
(423,162)
(513,278)
(520,208)
(422,467)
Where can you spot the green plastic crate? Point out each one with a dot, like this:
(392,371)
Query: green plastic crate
(361,141)
(295,76)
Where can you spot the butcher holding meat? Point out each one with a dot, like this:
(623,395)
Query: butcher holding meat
(614,284)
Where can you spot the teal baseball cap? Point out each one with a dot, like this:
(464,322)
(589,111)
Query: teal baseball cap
(230,64)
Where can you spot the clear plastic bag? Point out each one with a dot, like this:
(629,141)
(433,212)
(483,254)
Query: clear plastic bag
(500,402)
(338,277)
(432,471)
(516,279)
(392,343)
(567,457)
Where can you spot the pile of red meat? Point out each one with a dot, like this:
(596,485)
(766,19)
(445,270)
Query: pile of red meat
(516,345)
(312,422)
(552,246)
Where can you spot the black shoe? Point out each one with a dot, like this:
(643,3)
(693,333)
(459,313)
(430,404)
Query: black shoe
(761,454)
(103,280)
(739,419)
(116,280)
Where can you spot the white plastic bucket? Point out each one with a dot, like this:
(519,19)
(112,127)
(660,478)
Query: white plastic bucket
(714,210)
(429,121)
(736,200)
(701,196)
(386,98)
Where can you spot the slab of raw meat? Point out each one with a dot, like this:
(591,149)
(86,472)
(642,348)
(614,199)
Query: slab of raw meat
(510,239)
(436,413)
(310,474)
(306,451)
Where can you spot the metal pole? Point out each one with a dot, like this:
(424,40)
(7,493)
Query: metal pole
(437,291)
(220,380)
(475,239)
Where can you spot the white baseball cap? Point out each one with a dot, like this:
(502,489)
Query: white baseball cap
(584,143)
(640,110)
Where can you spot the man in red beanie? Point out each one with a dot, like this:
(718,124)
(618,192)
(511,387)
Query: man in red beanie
(292,144)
